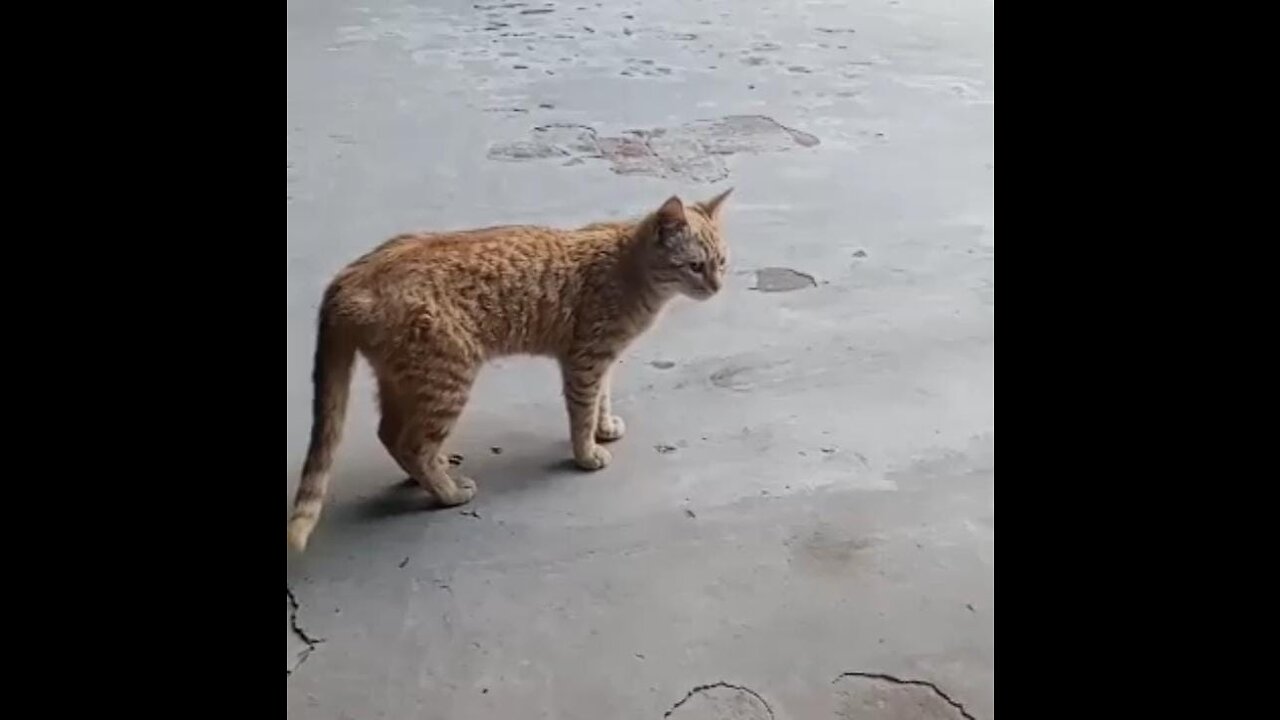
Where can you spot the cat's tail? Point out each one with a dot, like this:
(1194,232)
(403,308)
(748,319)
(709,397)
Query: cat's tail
(335,357)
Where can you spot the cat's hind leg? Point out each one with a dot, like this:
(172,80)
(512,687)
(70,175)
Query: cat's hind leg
(392,407)
(425,416)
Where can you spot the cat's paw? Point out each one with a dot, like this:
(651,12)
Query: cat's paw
(594,459)
(466,489)
(610,428)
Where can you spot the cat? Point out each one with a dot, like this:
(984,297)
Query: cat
(427,310)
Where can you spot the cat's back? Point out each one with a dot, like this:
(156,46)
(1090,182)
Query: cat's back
(476,248)
(500,260)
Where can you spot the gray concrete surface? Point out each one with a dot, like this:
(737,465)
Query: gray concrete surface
(801,520)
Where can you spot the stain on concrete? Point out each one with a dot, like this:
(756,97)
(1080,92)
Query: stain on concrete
(693,151)
(970,90)
(826,551)
(721,701)
(727,378)
(941,464)
(987,291)
(750,375)
(645,68)
(526,150)
(663,364)
(878,696)
(779,279)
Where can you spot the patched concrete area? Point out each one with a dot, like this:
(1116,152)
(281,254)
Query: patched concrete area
(800,522)
(877,696)
(695,152)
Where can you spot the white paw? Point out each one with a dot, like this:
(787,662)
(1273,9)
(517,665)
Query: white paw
(610,428)
(466,490)
(595,459)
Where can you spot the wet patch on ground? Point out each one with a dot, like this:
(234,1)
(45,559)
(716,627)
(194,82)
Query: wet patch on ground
(695,151)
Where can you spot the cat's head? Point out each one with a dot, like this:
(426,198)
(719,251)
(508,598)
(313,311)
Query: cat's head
(690,257)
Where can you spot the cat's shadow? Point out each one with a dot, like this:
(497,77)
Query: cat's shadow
(563,465)
(399,498)
(377,507)
(519,470)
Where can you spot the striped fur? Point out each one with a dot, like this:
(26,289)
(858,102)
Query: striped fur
(427,310)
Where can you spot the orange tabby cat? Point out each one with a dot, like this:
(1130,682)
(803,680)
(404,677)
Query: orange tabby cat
(428,310)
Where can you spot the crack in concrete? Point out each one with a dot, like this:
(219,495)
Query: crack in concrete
(302,657)
(721,684)
(293,620)
(311,641)
(893,680)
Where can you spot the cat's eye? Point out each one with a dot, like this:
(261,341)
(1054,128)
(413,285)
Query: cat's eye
(697,266)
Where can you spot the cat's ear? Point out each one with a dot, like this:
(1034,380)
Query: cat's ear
(671,217)
(711,208)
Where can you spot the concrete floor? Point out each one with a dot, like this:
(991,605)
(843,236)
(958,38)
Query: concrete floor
(800,522)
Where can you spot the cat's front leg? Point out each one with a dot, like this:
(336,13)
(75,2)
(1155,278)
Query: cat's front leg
(583,381)
(609,427)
